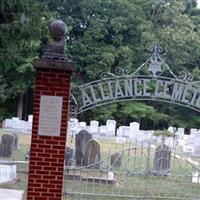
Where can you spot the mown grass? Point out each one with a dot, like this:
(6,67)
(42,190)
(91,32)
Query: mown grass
(178,185)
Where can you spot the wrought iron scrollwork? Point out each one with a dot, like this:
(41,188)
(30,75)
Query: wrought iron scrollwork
(105,75)
(73,105)
(118,72)
(156,65)
(185,76)
(121,71)
(155,48)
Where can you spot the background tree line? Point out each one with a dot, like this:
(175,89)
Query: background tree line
(102,35)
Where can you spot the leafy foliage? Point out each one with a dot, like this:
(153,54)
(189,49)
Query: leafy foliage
(103,35)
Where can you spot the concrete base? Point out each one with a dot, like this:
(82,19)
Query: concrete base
(7,194)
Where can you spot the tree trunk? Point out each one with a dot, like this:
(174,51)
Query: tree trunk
(25,107)
(20,106)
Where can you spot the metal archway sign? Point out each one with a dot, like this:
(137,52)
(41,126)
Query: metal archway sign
(157,83)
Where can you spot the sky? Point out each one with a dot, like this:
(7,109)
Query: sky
(198,1)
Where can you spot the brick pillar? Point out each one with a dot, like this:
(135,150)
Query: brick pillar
(50,116)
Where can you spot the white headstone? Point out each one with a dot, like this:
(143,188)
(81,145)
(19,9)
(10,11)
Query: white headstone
(94,127)
(15,121)
(126,131)
(82,126)
(102,130)
(73,125)
(123,131)
(188,149)
(180,130)
(30,118)
(8,123)
(197,145)
(196,177)
(193,132)
(111,176)
(119,132)
(171,129)
(29,127)
(111,127)
(7,173)
(134,129)
(15,118)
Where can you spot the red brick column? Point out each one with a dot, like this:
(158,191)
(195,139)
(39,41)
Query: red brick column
(47,153)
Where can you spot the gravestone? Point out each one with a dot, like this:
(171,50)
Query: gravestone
(16,141)
(188,149)
(134,130)
(29,127)
(73,126)
(197,145)
(94,127)
(7,124)
(8,173)
(6,147)
(111,127)
(116,160)
(162,159)
(80,142)
(30,118)
(123,131)
(93,153)
(68,155)
(82,126)
(196,177)
(102,130)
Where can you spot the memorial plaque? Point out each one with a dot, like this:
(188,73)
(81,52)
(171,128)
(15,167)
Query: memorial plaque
(50,115)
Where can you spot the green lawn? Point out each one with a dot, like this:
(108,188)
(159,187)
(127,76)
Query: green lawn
(178,185)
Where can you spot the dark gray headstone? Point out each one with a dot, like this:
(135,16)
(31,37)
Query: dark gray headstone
(6,147)
(80,142)
(116,160)
(162,160)
(68,155)
(93,153)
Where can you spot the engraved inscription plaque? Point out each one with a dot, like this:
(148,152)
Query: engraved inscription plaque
(50,115)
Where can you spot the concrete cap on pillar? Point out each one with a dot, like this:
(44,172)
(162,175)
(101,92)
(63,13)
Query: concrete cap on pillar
(54,55)
(58,30)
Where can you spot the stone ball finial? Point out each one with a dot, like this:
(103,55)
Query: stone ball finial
(57,29)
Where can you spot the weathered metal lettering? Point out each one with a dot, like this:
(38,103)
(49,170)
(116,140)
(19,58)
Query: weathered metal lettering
(94,97)
(118,89)
(85,97)
(103,96)
(171,90)
(166,94)
(159,85)
(146,87)
(177,91)
(137,87)
(128,87)
(180,89)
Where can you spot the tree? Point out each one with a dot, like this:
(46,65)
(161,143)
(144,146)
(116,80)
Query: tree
(105,35)
(22,25)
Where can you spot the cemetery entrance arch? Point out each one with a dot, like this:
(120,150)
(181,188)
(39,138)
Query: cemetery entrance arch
(153,80)
(154,174)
